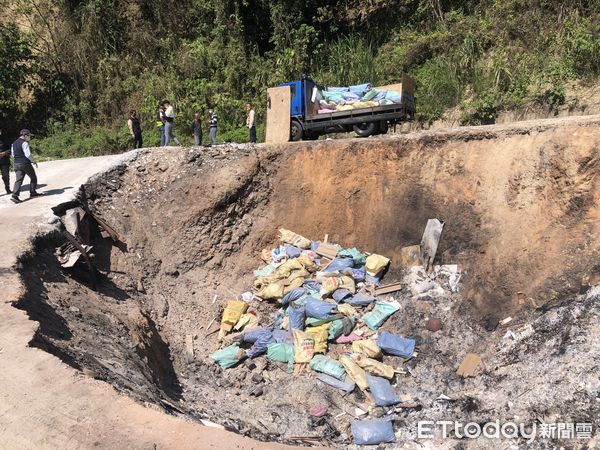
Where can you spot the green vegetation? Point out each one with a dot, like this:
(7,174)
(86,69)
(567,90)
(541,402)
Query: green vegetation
(72,69)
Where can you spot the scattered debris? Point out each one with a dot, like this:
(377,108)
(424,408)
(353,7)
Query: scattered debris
(472,365)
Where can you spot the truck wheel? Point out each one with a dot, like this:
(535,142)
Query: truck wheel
(383,127)
(296,131)
(365,129)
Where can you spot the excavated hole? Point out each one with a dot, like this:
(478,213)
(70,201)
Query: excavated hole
(194,225)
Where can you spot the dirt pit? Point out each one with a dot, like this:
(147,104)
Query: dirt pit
(521,216)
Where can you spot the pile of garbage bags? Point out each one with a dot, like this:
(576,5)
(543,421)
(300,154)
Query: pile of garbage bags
(354,97)
(324,295)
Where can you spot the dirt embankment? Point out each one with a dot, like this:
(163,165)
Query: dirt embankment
(520,208)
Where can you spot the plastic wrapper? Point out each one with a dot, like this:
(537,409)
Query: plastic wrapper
(335,330)
(328,366)
(260,345)
(318,309)
(281,352)
(291,251)
(346,386)
(264,271)
(319,334)
(355,371)
(372,432)
(375,318)
(282,337)
(366,347)
(233,312)
(347,339)
(289,237)
(382,391)
(396,345)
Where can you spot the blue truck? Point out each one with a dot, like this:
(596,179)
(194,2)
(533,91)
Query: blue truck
(309,120)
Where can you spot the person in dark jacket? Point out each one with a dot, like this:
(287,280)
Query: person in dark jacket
(24,162)
(5,163)
(197,129)
(135,129)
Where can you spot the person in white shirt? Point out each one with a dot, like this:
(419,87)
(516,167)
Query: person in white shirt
(24,162)
(170,121)
(250,122)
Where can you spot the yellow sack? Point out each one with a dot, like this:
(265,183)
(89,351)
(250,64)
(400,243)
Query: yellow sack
(289,237)
(304,346)
(293,284)
(355,372)
(287,267)
(246,322)
(307,262)
(366,347)
(347,310)
(375,367)
(319,334)
(272,291)
(375,263)
(331,284)
(232,313)
(260,283)
(300,273)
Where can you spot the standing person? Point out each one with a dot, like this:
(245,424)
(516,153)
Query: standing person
(212,126)
(160,122)
(169,123)
(24,163)
(135,129)
(5,163)
(197,129)
(250,123)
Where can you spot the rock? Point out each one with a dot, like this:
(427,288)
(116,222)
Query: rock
(491,323)
(433,325)
(257,377)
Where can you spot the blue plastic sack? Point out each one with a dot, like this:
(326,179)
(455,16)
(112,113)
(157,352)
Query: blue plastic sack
(292,296)
(396,345)
(371,432)
(346,386)
(282,337)
(373,280)
(339,264)
(314,245)
(360,300)
(250,336)
(359,273)
(291,251)
(312,285)
(297,316)
(340,294)
(260,345)
(382,391)
(318,309)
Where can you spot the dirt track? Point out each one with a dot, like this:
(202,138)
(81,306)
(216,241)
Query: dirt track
(484,181)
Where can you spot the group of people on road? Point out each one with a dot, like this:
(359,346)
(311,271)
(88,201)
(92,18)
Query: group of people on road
(23,162)
(165,121)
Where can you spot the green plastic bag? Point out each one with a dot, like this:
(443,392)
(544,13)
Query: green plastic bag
(264,271)
(280,352)
(335,329)
(371,93)
(380,313)
(328,366)
(227,357)
(358,257)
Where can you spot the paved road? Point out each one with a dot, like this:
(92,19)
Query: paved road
(43,402)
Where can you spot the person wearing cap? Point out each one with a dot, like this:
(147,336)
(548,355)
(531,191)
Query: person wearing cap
(24,162)
(5,163)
